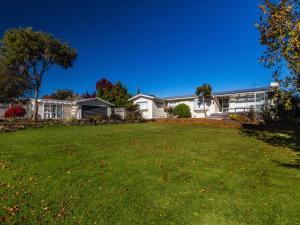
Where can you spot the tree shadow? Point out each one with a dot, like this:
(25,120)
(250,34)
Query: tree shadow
(281,136)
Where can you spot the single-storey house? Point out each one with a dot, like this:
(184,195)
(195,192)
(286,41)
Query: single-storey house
(79,109)
(235,101)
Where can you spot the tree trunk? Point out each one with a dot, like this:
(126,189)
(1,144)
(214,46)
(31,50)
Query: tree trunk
(204,107)
(36,107)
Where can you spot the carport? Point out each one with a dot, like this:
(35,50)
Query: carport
(94,107)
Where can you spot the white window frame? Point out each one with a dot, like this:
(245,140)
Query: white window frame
(52,111)
(143,105)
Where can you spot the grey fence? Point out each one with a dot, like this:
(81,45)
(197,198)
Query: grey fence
(3,108)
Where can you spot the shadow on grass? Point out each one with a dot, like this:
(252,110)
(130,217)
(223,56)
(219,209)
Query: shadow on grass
(283,136)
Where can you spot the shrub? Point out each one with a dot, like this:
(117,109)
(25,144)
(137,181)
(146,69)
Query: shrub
(252,115)
(182,111)
(169,111)
(233,117)
(133,113)
(238,117)
(115,117)
(15,111)
(96,119)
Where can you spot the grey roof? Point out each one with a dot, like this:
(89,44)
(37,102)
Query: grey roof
(181,96)
(223,93)
(243,91)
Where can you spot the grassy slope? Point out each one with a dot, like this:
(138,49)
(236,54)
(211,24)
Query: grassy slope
(145,174)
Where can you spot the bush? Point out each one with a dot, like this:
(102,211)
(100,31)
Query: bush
(252,115)
(182,111)
(133,113)
(115,117)
(238,117)
(169,111)
(233,117)
(14,112)
(97,119)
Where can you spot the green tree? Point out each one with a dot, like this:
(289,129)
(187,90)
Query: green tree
(105,90)
(182,111)
(34,53)
(279,28)
(64,94)
(13,85)
(204,92)
(115,93)
(133,113)
(120,95)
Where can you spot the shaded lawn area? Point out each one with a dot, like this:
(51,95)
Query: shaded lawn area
(288,136)
(145,174)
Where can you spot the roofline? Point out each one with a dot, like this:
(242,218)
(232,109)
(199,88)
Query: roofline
(72,102)
(179,98)
(225,93)
(254,90)
(53,100)
(141,95)
(88,99)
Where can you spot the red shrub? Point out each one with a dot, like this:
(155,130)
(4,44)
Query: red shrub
(15,111)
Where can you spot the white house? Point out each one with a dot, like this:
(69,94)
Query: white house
(79,109)
(235,101)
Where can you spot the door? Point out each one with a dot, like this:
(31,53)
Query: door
(224,105)
(93,111)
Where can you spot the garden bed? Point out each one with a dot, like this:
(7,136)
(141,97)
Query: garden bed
(21,124)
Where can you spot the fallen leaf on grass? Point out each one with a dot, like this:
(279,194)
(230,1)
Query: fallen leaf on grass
(205,190)
(46,209)
(13,210)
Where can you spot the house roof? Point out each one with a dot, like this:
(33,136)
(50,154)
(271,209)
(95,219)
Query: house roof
(249,90)
(221,93)
(54,101)
(68,102)
(180,97)
(92,99)
(144,96)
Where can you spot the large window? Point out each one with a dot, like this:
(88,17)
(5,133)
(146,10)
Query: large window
(143,105)
(53,111)
(198,103)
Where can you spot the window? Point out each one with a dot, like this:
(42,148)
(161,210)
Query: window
(198,104)
(143,105)
(260,97)
(47,111)
(53,111)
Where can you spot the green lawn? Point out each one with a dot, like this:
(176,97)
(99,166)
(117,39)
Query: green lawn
(146,174)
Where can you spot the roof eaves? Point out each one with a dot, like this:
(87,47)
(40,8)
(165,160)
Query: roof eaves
(142,95)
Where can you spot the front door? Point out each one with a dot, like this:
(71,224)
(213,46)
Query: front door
(224,105)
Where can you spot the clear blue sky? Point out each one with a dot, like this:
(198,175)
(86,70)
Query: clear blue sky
(163,47)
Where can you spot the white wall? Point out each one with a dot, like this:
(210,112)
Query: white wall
(197,112)
(158,112)
(121,112)
(147,113)
(108,111)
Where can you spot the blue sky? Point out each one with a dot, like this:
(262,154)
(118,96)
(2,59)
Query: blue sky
(163,47)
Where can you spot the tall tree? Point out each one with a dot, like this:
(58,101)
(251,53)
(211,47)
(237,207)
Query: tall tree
(115,93)
(204,92)
(34,53)
(88,95)
(12,85)
(279,28)
(64,94)
(120,95)
(105,90)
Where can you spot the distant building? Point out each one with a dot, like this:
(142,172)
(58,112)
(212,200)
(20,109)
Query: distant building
(236,101)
